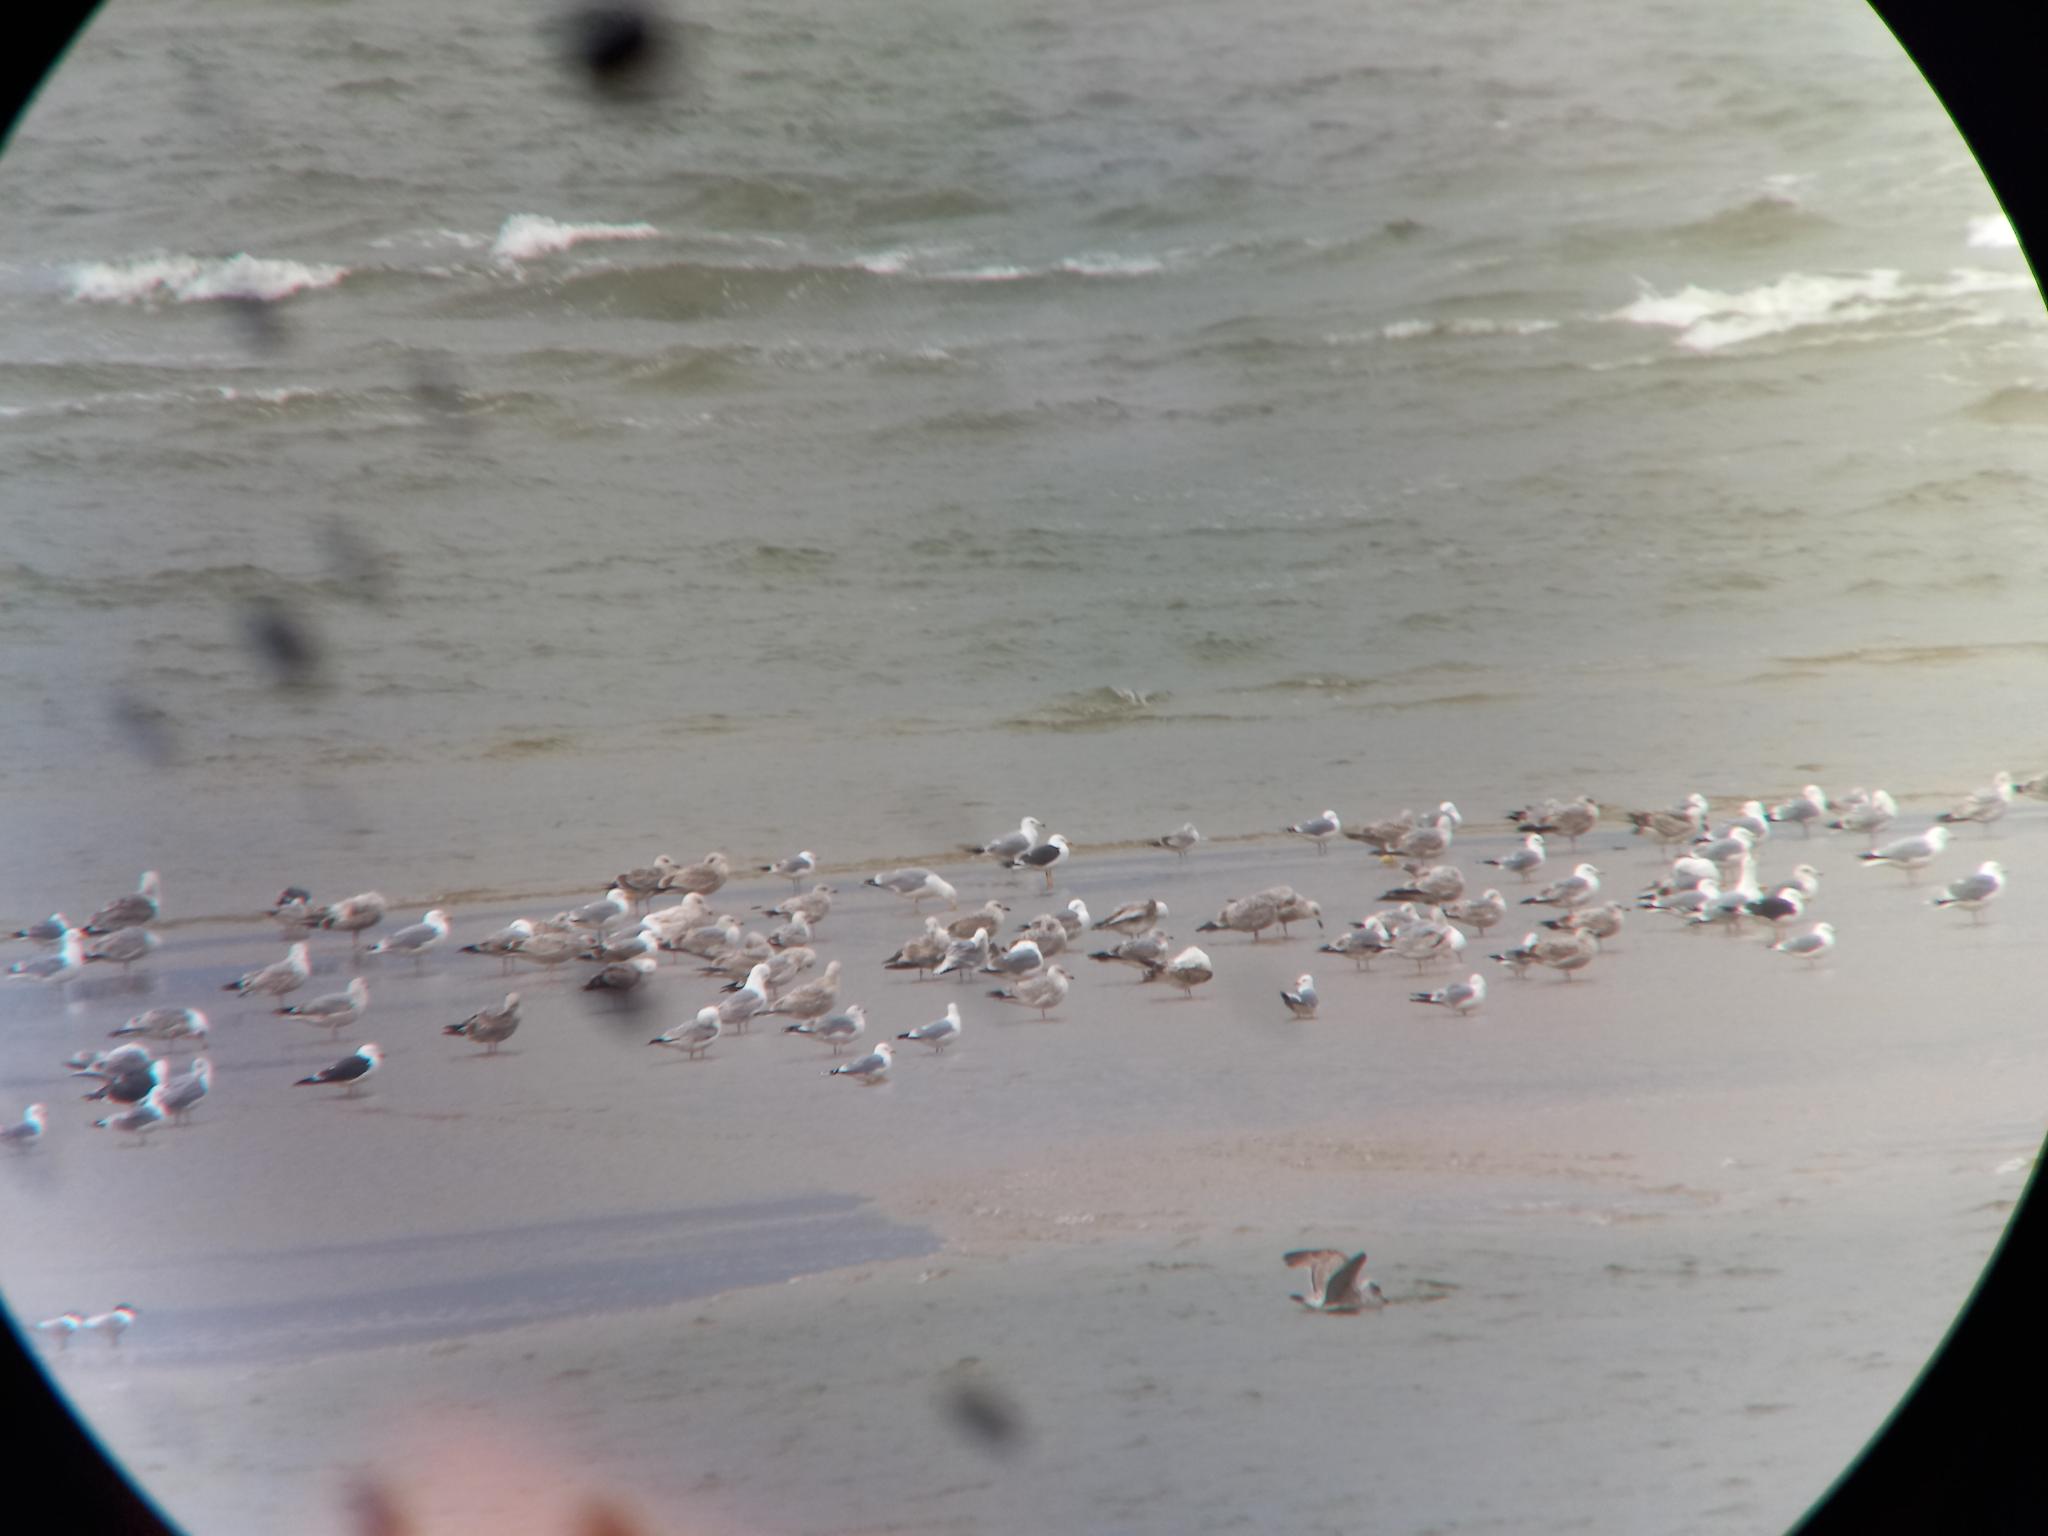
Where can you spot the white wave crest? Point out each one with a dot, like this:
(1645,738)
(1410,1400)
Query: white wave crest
(1709,319)
(1993,232)
(1474,325)
(529,236)
(195,279)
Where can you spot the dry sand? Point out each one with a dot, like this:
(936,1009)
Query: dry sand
(1664,1244)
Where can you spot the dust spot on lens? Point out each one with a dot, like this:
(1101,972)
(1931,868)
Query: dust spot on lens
(259,323)
(147,728)
(283,642)
(355,564)
(621,51)
(982,1412)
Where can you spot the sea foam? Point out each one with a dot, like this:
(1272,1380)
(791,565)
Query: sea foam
(1993,232)
(1709,319)
(195,279)
(529,236)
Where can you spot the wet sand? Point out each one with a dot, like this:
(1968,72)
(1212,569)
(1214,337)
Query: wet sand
(1664,1244)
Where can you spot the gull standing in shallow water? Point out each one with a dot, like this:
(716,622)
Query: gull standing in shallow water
(938,1034)
(1301,1002)
(1461,997)
(622,977)
(1181,840)
(489,1027)
(794,868)
(695,1037)
(277,978)
(1814,944)
(1029,834)
(921,953)
(355,914)
(57,969)
(1334,1281)
(870,1069)
(1319,829)
(1049,854)
(1972,892)
(123,946)
(350,1070)
(915,885)
(502,943)
(130,911)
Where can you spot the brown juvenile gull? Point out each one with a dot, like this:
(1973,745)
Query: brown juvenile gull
(1043,990)
(489,1027)
(130,911)
(352,915)
(923,952)
(704,877)
(123,946)
(1290,906)
(812,1000)
(644,880)
(990,917)
(1252,915)
(1134,916)
(1187,970)
(1334,1281)
(1480,912)
(1437,885)
(622,977)
(1147,951)
(812,906)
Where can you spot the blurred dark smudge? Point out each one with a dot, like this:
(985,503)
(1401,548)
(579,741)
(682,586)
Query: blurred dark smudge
(147,728)
(283,642)
(980,1411)
(362,570)
(259,322)
(621,50)
(437,386)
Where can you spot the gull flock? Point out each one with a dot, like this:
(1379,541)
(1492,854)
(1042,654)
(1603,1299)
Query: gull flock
(627,938)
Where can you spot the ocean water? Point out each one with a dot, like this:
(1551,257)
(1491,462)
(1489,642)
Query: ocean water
(921,414)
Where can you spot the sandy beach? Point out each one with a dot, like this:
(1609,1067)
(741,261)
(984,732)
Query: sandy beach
(1663,1245)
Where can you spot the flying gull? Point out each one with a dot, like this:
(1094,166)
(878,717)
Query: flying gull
(1334,1281)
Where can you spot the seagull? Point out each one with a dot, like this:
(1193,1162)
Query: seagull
(1290,906)
(642,882)
(1729,907)
(1780,907)
(964,955)
(137,1119)
(1179,841)
(1803,810)
(1437,885)
(1480,912)
(1186,970)
(1676,824)
(695,1037)
(915,885)
(489,1027)
(1029,834)
(990,917)
(623,976)
(1574,890)
(355,914)
(711,941)
(336,1011)
(26,1131)
(921,953)
(1910,853)
(593,917)
(1426,939)
(1252,915)
(752,998)
(870,1069)
(1461,997)
(126,1074)
(1569,953)
(113,1324)
(504,942)
(1524,861)
(277,978)
(129,911)
(1134,916)
(123,947)
(813,906)
(1987,804)
(350,1070)
(1318,828)
(1727,847)
(1334,1281)
(1814,944)
(1362,943)
(1603,921)
(1074,919)
(631,944)
(784,966)
(1020,959)
(1047,932)
(1973,891)
(1870,813)
(1046,856)
(1044,990)
(1301,1002)
(1522,956)
(812,1000)
(794,868)
(1383,834)
(1573,818)
(49,931)
(63,1325)
(295,913)
(548,948)
(839,1030)
(938,1034)
(1147,951)
(704,877)
(59,968)
(181,1095)
(1428,841)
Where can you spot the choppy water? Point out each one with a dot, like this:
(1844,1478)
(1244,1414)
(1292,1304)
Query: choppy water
(1123,413)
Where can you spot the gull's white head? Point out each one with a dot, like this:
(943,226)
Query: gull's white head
(359,992)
